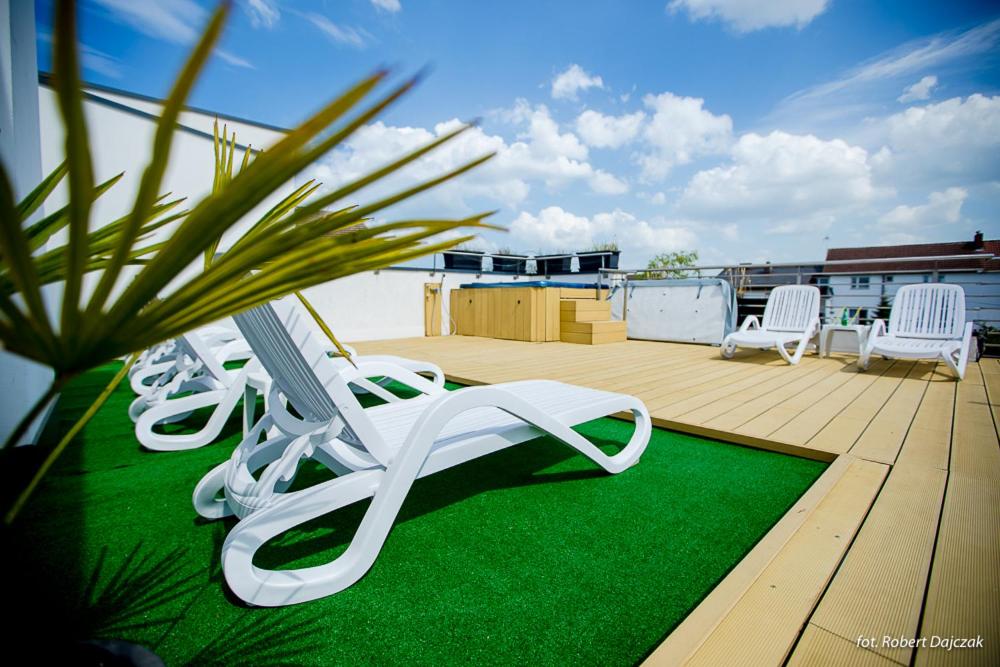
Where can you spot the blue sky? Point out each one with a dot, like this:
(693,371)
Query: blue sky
(746,131)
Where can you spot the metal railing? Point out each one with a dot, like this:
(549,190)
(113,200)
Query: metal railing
(865,294)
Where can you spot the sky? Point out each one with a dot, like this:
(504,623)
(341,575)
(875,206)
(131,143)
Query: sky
(746,131)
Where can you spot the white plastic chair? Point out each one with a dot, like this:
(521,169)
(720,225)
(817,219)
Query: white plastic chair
(927,321)
(791,317)
(376,452)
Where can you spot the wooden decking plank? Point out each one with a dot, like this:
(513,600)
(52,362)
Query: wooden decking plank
(676,402)
(879,588)
(764,625)
(884,436)
(928,441)
(740,414)
(776,379)
(690,634)
(821,648)
(842,431)
(963,597)
(773,419)
(810,422)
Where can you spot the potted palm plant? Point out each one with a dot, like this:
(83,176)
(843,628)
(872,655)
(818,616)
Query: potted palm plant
(137,299)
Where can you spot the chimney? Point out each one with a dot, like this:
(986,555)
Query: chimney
(977,240)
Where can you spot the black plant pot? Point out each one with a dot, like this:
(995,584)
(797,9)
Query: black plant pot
(108,653)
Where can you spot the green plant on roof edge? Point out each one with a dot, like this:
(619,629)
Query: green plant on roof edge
(277,256)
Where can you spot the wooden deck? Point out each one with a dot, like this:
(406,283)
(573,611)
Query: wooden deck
(900,536)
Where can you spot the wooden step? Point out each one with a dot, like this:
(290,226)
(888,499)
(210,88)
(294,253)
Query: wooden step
(584,310)
(593,333)
(578,293)
(593,327)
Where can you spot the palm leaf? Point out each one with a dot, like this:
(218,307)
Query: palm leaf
(30,204)
(285,250)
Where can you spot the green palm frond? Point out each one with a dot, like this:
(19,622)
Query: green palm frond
(283,252)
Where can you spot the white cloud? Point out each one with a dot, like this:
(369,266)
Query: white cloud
(921,90)
(93,59)
(339,33)
(554,229)
(750,15)
(540,155)
(607,184)
(603,131)
(679,130)
(174,21)
(233,59)
(571,81)
(949,140)
(543,133)
(262,13)
(391,6)
(169,20)
(789,182)
(851,93)
(941,208)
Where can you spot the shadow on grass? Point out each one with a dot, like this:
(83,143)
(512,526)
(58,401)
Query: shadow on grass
(326,537)
(280,637)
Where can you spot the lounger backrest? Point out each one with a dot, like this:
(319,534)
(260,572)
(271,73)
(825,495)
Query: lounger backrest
(289,349)
(791,308)
(194,346)
(931,310)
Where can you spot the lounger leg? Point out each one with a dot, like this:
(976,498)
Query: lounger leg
(273,588)
(727,349)
(226,400)
(800,349)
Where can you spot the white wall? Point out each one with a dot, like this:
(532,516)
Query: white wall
(390,303)
(120,141)
(22,382)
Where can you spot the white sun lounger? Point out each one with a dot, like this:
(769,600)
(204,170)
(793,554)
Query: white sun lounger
(791,317)
(377,452)
(224,342)
(926,322)
(199,372)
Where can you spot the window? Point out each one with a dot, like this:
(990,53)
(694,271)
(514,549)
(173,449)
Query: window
(888,279)
(860,282)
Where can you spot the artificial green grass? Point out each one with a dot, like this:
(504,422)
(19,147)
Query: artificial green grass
(529,555)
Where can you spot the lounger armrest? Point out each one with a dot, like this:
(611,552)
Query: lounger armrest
(368,369)
(878,329)
(966,348)
(749,322)
(812,330)
(437,415)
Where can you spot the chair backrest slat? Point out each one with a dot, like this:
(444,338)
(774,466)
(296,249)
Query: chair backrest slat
(931,310)
(290,351)
(791,308)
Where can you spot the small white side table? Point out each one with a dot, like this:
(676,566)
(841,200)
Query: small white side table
(826,333)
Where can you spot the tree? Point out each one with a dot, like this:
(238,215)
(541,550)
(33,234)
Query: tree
(673,260)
